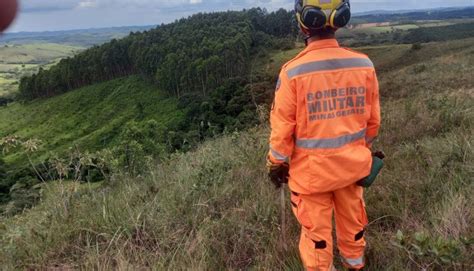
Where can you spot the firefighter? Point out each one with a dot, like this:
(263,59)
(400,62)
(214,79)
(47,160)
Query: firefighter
(324,119)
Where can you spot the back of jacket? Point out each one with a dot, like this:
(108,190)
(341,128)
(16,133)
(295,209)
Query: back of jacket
(325,115)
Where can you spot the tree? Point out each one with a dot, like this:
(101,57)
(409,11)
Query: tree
(194,54)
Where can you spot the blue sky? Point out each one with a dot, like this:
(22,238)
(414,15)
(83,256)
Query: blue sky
(41,15)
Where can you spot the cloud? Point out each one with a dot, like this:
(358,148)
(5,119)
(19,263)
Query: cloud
(47,5)
(52,5)
(40,15)
(87,4)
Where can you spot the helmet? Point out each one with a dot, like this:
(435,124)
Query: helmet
(314,15)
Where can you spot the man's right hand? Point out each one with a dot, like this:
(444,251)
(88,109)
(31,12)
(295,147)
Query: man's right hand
(379,154)
(278,173)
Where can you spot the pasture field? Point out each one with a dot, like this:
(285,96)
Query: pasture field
(406,32)
(21,60)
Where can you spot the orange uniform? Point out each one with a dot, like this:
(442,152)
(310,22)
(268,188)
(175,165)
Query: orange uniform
(325,116)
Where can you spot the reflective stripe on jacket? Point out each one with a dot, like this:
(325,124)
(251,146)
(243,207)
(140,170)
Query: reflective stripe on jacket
(325,115)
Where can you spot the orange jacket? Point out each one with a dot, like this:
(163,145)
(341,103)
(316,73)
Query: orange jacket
(325,116)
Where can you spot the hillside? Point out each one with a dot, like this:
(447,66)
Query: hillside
(89,117)
(109,115)
(213,209)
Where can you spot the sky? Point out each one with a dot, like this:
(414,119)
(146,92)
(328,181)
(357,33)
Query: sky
(53,15)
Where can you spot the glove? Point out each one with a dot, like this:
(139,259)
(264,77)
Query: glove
(278,173)
(379,154)
(377,165)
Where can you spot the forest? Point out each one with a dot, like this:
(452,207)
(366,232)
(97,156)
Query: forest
(192,55)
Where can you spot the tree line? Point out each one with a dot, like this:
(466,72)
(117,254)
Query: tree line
(192,55)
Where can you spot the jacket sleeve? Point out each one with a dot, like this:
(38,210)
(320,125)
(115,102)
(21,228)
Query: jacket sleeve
(283,121)
(373,125)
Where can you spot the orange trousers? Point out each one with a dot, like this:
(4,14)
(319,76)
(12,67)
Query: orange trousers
(315,214)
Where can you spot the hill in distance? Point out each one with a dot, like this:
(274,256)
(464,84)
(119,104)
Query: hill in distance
(78,37)
(402,11)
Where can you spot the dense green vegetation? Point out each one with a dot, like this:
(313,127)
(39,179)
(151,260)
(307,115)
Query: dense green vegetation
(133,119)
(103,116)
(213,209)
(196,54)
(89,117)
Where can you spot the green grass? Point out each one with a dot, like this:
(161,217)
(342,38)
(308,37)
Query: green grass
(90,118)
(443,22)
(213,209)
(5,81)
(8,68)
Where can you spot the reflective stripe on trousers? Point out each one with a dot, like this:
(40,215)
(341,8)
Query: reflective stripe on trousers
(354,262)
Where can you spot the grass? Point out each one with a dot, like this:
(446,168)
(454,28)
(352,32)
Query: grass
(90,118)
(213,209)
(9,68)
(35,53)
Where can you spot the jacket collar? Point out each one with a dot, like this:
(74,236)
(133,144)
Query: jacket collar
(321,44)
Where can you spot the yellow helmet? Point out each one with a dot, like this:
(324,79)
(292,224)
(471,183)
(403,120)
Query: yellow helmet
(313,15)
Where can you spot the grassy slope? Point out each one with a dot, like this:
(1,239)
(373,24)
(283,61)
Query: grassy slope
(212,209)
(90,118)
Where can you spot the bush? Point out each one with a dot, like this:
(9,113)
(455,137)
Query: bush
(416,46)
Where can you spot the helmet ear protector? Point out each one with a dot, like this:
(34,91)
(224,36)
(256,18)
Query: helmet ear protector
(311,15)
(341,16)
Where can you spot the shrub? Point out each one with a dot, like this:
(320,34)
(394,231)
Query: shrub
(416,46)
